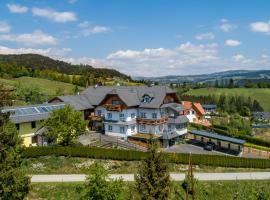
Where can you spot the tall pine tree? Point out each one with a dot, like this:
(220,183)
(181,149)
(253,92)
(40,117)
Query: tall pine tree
(13,182)
(153,178)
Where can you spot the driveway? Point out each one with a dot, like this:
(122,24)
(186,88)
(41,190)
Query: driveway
(190,148)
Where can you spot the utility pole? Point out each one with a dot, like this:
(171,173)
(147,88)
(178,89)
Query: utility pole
(190,179)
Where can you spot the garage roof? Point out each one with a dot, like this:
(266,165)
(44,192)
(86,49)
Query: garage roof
(218,137)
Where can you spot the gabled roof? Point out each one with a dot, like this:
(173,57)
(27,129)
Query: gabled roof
(198,107)
(78,102)
(131,95)
(209,106)
(187,105)
(178,120)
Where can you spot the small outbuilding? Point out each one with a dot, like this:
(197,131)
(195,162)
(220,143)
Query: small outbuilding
(223,143)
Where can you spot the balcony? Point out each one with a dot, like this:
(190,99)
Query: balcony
(146,121)
(96,118)
(111,107)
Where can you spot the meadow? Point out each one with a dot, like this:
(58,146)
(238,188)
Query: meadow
(262,95)
(211,190)
(48,87)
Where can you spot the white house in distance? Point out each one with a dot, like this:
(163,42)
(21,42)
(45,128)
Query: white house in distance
(132,112)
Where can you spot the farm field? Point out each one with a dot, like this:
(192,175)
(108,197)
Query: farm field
(49,87)
(216,190)
(262,95)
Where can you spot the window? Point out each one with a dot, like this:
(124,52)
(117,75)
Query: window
(18,126)
(142,128)
(193,112)
(115,102)
(154,115)
(122,116)
(34,139)
(146,99)
(109,115)
(133,128)
(160,127)
(122,129)
(143,115)
(169,127)
(33,124)
(132,115)
(99,113)
(110,128)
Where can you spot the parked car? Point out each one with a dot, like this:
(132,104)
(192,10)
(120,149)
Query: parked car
(209,146)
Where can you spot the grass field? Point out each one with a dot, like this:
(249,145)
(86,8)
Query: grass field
(262,95)
(75,165)
(49,87)
(216,190)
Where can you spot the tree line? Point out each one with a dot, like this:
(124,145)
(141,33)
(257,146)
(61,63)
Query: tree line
(227,103)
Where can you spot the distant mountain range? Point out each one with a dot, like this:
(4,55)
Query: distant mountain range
(240,76)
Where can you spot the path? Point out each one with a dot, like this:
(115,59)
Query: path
(176,177)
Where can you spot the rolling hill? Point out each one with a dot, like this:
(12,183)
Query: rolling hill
(39,62)
(237,75)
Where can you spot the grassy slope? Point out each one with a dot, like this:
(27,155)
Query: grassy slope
(216,190)
(47,86)
(261,95)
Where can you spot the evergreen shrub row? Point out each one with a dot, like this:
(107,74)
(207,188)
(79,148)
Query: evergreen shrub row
(132,155)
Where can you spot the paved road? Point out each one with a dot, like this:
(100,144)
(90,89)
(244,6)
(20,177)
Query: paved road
(176,177)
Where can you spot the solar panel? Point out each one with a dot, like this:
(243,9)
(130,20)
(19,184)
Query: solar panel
(33,110)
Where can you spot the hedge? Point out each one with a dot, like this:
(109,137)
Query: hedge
(130,155)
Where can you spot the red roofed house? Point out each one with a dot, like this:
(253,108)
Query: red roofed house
(194,112)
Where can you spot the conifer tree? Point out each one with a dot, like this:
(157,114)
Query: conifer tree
(13,182)
(153,178)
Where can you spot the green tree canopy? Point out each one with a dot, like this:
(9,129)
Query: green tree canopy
(64,126)
(153,178)
(13,182)
(100,186)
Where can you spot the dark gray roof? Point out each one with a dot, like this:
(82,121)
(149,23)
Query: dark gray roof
(219,137)
(178,120)
(131,95)
(209,106)
(29,118)
(261,115)
(78,102)
(22,114)
(175,106)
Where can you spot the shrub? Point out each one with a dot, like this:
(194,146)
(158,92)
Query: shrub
(130,155)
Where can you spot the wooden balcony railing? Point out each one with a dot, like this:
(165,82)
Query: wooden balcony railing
(96,118)
(111,107)
(152,121)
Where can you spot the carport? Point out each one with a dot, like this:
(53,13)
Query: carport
(223,143)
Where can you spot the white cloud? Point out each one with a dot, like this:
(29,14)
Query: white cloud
(205,36)
(239,57)
(60,17)
(72,1)
(35,38)
(264,56)
(4,27)
(88,29)
(232,43)
(16,8)
(226,26)
(52,52)
(263,27)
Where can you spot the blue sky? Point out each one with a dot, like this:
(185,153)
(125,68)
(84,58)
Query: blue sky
(142,37)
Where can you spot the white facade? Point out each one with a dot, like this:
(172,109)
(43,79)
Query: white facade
(191,115)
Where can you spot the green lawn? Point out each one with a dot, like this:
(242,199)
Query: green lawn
(260,94)
(49,87)
(215,190)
